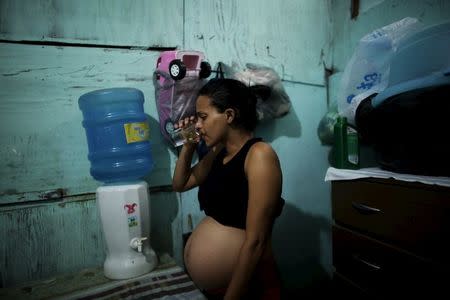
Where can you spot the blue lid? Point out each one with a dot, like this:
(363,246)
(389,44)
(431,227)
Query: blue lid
(432,80)
(425,33)
(110,95)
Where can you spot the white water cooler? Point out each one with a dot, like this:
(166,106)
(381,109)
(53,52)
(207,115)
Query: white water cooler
(125,216)
(118,138)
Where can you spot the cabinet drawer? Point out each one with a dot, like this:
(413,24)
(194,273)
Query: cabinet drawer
(381,269)
(343,287)
(413,216)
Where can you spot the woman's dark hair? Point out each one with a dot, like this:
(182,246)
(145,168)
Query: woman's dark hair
(229,93)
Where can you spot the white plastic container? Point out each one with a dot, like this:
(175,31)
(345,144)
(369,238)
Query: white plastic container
(125,216)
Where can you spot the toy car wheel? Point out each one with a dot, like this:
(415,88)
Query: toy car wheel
(177,69)
(205,69)
(169,127)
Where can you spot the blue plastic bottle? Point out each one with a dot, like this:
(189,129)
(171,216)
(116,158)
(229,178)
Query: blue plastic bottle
(117,132)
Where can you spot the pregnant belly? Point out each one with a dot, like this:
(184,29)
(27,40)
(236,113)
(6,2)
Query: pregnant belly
(212,252)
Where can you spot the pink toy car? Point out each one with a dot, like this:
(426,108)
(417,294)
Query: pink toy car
(184,63)
(178,77)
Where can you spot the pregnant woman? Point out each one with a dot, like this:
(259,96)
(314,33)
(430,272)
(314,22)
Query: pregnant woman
(229,254)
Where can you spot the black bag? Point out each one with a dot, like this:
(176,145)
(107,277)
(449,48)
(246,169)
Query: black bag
(409,131)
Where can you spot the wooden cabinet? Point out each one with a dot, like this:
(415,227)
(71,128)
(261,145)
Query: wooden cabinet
(391,237)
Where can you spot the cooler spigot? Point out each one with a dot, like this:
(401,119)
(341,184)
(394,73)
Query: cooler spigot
(136,243)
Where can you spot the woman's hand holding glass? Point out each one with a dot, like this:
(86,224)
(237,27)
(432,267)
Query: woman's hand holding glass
(186,128)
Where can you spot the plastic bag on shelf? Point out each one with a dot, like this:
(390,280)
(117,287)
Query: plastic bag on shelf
(367,71)
(325,130)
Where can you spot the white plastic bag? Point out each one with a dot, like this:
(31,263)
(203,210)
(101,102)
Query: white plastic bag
(272,99)
(367,71)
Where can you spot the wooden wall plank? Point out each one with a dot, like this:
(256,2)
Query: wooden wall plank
(156,23)
(43,144)
(376,14)
(291,36)
(49,239)
(44,240)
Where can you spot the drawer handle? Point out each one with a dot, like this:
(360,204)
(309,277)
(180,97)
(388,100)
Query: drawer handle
(364,209)
(365,262)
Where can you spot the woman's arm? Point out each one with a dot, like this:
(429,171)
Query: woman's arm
(186,177)
(181,180)
(265,180)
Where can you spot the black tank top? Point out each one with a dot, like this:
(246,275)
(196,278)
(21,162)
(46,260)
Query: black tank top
(224,194)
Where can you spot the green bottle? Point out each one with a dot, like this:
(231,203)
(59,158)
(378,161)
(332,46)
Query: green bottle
(346,145)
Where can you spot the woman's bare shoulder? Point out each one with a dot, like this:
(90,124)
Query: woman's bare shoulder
(262,148)
(261,152)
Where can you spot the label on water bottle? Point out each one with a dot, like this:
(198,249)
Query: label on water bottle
(136,132)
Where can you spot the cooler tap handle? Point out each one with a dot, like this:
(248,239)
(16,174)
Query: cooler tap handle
(137,243)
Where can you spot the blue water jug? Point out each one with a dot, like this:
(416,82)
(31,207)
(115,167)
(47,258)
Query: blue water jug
(117,131)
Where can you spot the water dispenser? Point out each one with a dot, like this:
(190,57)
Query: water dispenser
(117,132)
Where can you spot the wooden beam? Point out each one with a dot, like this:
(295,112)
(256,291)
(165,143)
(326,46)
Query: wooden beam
(354,9)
